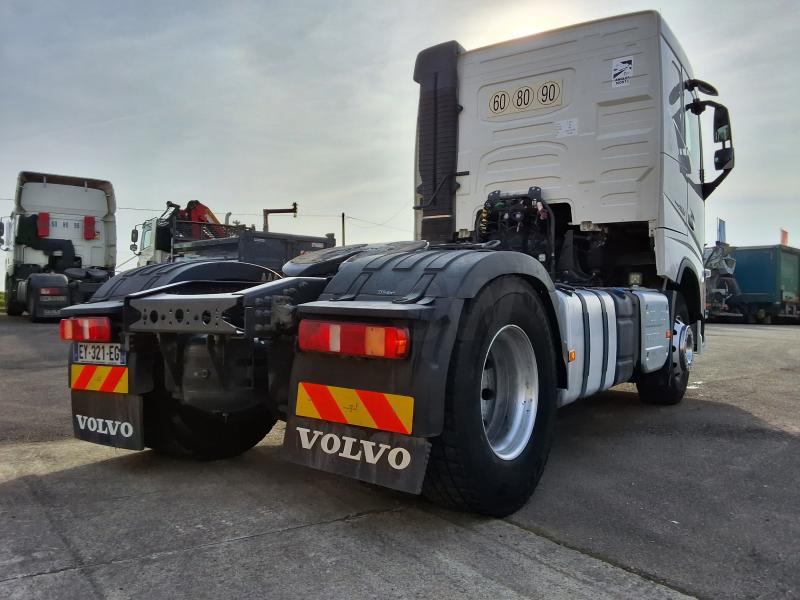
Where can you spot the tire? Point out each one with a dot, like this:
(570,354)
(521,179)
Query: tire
(667,385)
(14,309)
(31,308)
(471,467)
(182,431)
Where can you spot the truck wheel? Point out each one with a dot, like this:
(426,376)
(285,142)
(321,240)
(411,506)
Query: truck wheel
(185,432)
(13,309)
(668,385)
(32,309)
(500,404)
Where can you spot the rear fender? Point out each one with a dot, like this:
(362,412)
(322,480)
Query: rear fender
(31,293)
(427,290)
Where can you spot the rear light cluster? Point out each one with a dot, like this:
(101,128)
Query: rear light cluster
(52,291)
(86,329)
(354,339)
(43,224)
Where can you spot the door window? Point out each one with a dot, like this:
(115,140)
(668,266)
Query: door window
(692,134)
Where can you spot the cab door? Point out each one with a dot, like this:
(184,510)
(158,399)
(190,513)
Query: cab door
(695,205)
(672,243)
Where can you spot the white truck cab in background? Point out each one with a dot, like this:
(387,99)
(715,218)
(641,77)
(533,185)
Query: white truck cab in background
(60,242)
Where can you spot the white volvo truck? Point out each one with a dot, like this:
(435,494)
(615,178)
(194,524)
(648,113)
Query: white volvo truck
(559,200)
(60,242)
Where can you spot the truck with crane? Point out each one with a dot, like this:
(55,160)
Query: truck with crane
(195,233)
(60,242)
(560,190)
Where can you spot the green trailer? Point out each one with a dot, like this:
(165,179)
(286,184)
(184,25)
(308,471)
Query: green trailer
(769,283)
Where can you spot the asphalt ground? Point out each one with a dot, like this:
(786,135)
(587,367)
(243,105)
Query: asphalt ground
(636,501)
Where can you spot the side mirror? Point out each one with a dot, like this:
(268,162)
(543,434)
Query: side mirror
(723,159)
(722,125)
(701,86)
(2,228)
(133,248)
(134,235)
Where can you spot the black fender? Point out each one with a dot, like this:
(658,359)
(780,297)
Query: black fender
(30,292)
(158,275)
(427,290)
(37,281)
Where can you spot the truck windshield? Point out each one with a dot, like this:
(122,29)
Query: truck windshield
(147,235)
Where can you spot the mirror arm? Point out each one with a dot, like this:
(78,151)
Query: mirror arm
(709,187)
(699,106)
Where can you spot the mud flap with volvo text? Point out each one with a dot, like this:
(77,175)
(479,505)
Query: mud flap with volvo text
(358,433)
(108,419)
(389,459)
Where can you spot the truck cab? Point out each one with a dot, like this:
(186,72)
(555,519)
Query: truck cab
(604,118)
(60,242)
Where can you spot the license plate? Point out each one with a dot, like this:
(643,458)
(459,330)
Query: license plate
(52,299)
(98,354)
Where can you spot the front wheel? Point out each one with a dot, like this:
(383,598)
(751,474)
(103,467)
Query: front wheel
(668,385)
(500,404)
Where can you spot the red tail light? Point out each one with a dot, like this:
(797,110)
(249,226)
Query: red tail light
(43,224)
(354,339)
(88,228)
(85,329)
(52,291)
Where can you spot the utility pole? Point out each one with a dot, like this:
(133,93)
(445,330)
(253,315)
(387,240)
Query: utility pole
(277,211)
(343,240)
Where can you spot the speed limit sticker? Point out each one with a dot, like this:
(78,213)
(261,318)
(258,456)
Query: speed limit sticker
(542,93)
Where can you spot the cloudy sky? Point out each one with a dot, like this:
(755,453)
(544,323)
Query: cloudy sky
(246,105)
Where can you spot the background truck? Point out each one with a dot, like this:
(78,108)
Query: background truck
(721,285)
(560,200)
(768,281)
(194,233)
(60,242)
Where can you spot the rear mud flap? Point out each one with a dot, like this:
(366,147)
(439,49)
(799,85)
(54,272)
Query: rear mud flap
(108,419)
(392,460)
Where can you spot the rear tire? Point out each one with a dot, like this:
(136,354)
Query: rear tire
(479,463)
(32,310)
(14,309)
(182,431)
(667,385)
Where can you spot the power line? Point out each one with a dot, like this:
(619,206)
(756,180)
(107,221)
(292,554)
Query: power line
(258,214)
(373,223)
(126,261)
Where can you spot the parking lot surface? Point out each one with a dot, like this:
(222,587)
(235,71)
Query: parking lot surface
(698,499)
